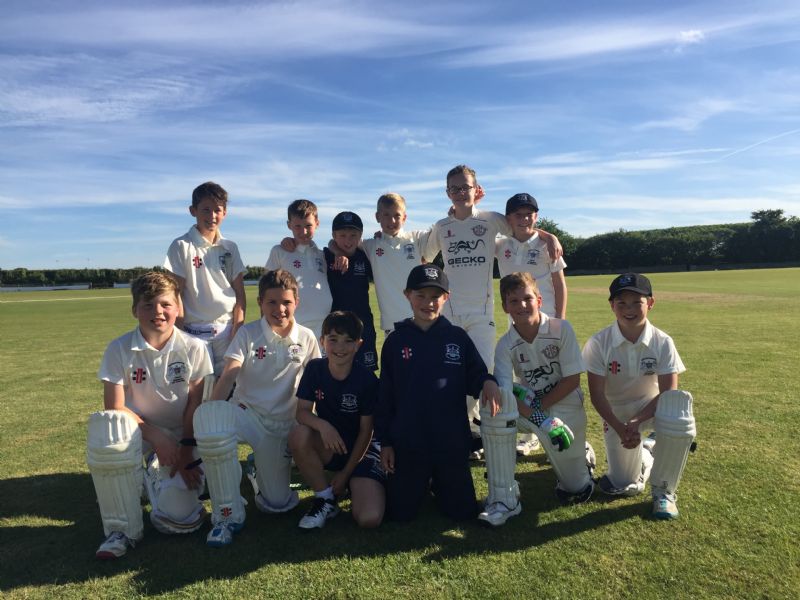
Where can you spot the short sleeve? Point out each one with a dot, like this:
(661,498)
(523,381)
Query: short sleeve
(174,260)
(112,368)
(593,357)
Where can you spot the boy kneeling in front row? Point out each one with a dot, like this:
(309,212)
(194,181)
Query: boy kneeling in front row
(335,401)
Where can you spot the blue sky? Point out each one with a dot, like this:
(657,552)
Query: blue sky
(629,115)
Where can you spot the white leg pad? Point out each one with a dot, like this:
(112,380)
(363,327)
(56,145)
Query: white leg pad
(215,432)
(274,466)
(570,465)
(675,431)
(499,434)
(174,507)
(114,457)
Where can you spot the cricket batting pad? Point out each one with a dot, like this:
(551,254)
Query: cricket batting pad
(174,507)
(215,432)
(675,431)
(114,457)
(274,468)
(499,434)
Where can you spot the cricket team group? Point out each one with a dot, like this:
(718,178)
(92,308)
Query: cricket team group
(194,380)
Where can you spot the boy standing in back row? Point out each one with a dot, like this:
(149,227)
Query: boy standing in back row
(467,240)
(210,273)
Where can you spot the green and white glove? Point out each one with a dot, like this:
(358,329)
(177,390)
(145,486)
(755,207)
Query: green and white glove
(560,434)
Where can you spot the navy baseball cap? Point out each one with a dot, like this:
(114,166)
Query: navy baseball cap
(522,200)
(429,275)
(630,282)
(347,220)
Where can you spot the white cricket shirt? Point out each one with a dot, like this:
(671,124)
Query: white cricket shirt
(307,264)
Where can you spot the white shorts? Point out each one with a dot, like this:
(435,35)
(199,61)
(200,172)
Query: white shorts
(217,336)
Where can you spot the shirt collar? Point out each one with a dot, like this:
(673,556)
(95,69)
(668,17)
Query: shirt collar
(139,344)
(617,339)
(274,338)
(201,242)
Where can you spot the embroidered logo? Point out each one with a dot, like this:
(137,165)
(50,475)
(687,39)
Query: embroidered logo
(297,264)
(379,251)
(479,230)
(551,351)
(349,403)
(647,366)
(139,375)
(522,357)
(408,249)
(197,262)
(224,259)
(320,266)
(295,353)
(533,255)
(406,353)
(369,359)
(360,268)
(261,352)
(507,253)
(614,367)
(176,372)
(449,234)
(319,395)
(452,353)
(431,273)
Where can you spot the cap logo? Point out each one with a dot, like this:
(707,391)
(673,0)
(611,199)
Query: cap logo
(626,280)
(431,273)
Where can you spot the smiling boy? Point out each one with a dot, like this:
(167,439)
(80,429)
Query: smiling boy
(428,366)
(210,273)
(152,383)
(336,399)
(633,370)
(265,360)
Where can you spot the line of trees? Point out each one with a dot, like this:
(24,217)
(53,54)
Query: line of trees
(771,237)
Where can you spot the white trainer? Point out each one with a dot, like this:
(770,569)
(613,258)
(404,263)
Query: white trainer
(497,513)
(221,534)
(527,447)
(319,513)
(115,546)
(664,507)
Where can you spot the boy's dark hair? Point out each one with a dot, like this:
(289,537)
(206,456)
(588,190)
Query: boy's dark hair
(152,284)
(212,190)
(343,322)
(514,281)
(302,209)
(277,279)
(460,170)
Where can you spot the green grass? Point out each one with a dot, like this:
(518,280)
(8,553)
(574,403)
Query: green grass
(737,536)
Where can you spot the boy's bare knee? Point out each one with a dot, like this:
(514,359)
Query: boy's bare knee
(368,519)
(299,437)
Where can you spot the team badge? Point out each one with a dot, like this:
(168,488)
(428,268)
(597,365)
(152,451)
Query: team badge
(261,352)
(408,250)
(479,230)
(360,268)
(551,351)
(197,262)
(139,375)
(533,255)
(320,265)
(297,264)
(614,367)
(349,403)
(406,353)
(647,366)
(431,273)
(176,372)
(369,359)
(379,251)
(452,353)
(295,353)
(224,259)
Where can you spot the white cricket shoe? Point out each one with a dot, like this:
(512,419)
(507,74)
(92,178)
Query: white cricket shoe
(319,513)
(497,513)
(664,507)
(115,546)
(527,447)
(221,534)
(476,454)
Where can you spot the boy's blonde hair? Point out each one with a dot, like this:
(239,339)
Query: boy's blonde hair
(301,209)
(212,190)
(515,281)
(461,170)
(152,284)
(277,279)
(390,200)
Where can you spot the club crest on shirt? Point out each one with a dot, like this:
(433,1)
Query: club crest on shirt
(408,250)
(479,230)
(369,359)
(224,259)
(533,255)
(296,353)
(551,351)
(360,268)
(349,403)
(176,372)
(320,265)
(452,354)
(647,365)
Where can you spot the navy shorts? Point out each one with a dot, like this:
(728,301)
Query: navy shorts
(369,466)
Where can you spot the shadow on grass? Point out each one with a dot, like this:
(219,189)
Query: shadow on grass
(50,528)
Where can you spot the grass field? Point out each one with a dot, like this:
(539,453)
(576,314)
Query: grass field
(737,536)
